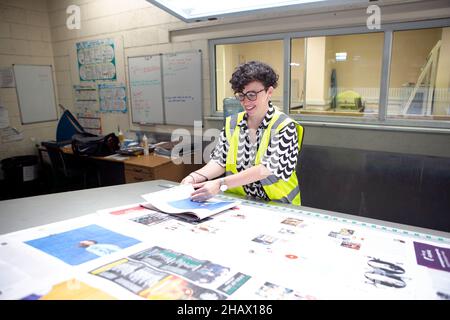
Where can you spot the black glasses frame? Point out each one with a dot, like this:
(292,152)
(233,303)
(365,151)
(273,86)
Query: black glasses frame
(252,97)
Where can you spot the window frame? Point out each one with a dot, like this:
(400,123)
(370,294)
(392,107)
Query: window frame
(212,61)
(382,121)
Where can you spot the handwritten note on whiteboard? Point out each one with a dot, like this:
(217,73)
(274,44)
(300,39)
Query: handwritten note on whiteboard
(146,89)
(182,82)
(166,89)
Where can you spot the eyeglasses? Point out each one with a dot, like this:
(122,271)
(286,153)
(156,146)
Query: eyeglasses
(251,95)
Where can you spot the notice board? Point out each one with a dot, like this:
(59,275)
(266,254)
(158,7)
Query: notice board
(166,88)
(35,93)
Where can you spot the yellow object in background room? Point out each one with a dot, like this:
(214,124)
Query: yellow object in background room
(349,100)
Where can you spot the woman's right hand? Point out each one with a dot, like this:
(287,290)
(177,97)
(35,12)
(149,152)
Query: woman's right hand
(205,190)
(188,180)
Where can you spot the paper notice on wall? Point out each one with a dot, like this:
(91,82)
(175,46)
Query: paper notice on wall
(10,134)
(7,77)
(113,97)
(90,121)
(4,117)
(86,98)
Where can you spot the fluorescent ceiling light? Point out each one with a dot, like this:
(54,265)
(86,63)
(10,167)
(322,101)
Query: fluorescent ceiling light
(198,10)
(341,56)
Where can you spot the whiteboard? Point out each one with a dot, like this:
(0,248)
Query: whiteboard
(36,93)
(144,74)
(182,79)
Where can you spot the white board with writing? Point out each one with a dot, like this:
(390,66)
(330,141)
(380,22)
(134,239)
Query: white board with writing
(36,93)
(146,95)
(182,79)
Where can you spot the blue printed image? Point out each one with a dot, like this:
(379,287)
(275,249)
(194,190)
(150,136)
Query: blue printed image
(80,245)
(188,204)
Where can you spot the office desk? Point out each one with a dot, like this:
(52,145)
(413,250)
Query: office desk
(257,251)
(152,167)
(139,168)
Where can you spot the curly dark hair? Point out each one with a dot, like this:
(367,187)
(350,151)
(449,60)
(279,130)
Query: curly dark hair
(253,71)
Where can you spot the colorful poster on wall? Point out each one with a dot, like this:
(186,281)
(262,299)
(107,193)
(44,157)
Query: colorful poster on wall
(96,60)
(113,97)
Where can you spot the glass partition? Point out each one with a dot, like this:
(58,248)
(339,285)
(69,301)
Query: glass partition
(420,75)
(229,56)
(336,75)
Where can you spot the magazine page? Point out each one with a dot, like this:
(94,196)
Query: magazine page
(177,200)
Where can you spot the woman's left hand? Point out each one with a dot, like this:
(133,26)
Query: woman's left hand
(205,190)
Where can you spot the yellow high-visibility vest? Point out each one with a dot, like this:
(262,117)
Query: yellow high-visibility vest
(275,188)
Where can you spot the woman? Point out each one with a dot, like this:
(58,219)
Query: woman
(258,147)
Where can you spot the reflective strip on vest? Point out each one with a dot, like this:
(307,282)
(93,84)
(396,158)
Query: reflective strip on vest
(269,180)
(275,188)
(290,198)
(231,135)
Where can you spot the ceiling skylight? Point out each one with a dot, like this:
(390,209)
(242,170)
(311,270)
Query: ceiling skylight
(199,10)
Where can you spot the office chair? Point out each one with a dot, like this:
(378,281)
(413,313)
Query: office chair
(69,172)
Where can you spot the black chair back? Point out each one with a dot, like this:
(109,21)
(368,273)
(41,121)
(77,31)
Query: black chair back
(68,172)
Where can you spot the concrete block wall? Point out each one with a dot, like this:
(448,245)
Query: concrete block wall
(137,27)
(25,38)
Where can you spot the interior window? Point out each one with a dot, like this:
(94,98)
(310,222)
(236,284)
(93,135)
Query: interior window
(297,66)
(420,75)
(336,75)
(229,56)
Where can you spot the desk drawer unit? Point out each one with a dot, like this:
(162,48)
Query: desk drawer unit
(138,173)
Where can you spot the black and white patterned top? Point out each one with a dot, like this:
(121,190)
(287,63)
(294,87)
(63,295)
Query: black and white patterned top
(280,157)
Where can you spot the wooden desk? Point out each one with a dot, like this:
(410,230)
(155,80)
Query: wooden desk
(151,167)
(139,168)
